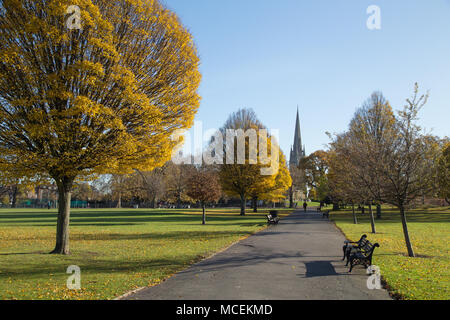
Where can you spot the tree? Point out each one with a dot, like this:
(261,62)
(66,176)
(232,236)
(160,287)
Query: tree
(343,178)
(120,187)
(372,128)
(315,167)
(203,186)
(357,153)
(404,162)
(82,191)
(389,157)
(153,184)
(16,187)
(176,177)
(444,173)
(101,99)
(241,179)
(277,190)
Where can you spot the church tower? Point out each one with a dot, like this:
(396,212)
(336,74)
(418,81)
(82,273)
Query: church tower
(298,189)
(298,150)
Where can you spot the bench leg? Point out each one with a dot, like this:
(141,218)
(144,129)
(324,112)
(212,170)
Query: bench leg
(344,248)
(351,266)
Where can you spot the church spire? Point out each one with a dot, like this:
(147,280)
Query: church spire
(298,150)
(298,133)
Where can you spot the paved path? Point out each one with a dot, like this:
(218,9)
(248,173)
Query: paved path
(298,259)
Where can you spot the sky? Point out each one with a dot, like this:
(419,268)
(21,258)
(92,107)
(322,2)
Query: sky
(320,55)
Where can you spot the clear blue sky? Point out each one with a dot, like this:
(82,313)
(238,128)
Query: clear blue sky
(274,55)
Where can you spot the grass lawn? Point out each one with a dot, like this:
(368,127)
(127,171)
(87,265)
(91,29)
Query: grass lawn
(118,250)
(425,277)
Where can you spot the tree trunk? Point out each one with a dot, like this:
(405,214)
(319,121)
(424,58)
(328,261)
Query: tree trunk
(204,214)
(372,220)
(406,233)
(243,200)
(291,197)
(255,204)
(14,196)
(62,229)
(119,203)
(355,220)
(378,211)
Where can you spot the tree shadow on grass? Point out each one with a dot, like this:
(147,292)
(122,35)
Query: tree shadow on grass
(412,217)
(175,235)
(23,253)
(178,235)
(100,266)
(129,219)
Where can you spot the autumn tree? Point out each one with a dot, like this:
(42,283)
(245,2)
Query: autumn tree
(241,177)
(153,184)
(274,189)
(82,191)
(315,166)
(315,170)
(282,182)
(120,187)
(103,98)
(344,177)
(404,161)
(204,187)
(444,173)
(340,182)
(389,156)
(372,129)
(15,187)
(358,151)
(175,179)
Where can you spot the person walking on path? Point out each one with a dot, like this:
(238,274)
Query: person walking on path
(305,205)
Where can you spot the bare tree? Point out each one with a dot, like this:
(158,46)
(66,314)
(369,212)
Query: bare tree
(403,163)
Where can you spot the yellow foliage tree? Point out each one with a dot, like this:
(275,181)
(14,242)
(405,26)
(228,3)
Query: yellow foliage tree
(281,182)
(102,98)
(246,180)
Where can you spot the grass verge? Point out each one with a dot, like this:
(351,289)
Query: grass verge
(426,277)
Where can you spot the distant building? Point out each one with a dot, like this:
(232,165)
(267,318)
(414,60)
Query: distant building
(297,150)
(296,192)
